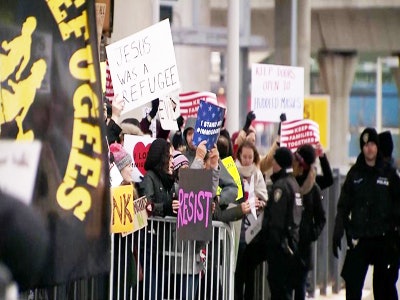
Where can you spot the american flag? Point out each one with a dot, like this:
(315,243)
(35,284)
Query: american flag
(299,132)
(189,102)
(109,84)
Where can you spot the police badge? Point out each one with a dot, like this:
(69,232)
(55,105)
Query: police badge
(277,195)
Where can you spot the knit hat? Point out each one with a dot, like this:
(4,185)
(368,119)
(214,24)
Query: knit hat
(305,155)
(121,157)
(180,160)
(158,148)
(369,135)
(386,143)
(283,156)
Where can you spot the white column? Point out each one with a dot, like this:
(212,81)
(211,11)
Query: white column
(193,61)
(130,16)
(233,80)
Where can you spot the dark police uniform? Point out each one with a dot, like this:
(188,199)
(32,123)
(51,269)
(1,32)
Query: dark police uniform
(365,210)
(282,220)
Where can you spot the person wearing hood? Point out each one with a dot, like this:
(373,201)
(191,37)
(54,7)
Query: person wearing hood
(313,218)
(365,213)
(229,189)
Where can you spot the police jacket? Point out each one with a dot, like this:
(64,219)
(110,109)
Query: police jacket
(366,200)
(283,213)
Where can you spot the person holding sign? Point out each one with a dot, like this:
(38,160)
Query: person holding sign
(157,186)
(249,255)
(123,162)
(226,183)
(190,263)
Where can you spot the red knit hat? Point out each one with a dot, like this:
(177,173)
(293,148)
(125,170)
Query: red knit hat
(121,157)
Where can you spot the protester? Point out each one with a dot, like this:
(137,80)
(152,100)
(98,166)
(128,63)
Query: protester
(158,187)
(266,161)
(366,212)
(247,133)
(128,127)
(228,186)
(249,255)
(313,218)
(281,226)
(188,262)
(225,133)
(125,265)
(325,179)
(113,128)
(235,210)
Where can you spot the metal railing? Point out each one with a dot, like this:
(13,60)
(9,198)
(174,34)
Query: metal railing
(164,269)
(152,264)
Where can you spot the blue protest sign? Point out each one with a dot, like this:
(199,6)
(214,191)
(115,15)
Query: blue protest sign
(208,123)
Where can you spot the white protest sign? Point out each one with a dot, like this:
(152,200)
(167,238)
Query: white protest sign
(252,198)
(138,147)
(143,65)
(18,168)
(277,89)
(166,114)
(299,132)
(115,176)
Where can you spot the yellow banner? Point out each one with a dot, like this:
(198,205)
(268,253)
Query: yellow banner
(317,108)
(230,165)
(122,213)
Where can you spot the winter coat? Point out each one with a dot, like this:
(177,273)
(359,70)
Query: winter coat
(313,218)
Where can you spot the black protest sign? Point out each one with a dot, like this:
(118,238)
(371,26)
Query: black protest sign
(195,199)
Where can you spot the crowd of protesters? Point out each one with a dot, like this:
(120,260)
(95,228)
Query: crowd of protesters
(287,201)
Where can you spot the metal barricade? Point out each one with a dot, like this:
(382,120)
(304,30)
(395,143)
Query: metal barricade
(152,264)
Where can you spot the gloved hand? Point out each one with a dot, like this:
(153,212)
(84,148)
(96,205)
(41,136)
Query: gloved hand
(338,232)
(154,107)
(249,118)
(180,120)
(282,117)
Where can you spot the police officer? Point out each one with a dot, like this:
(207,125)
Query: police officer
(283,216)
(364,212)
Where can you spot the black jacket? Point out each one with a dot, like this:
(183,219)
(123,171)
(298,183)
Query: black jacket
(158,194)
(326,179)
(283,213)
(313,219)
(366,200)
